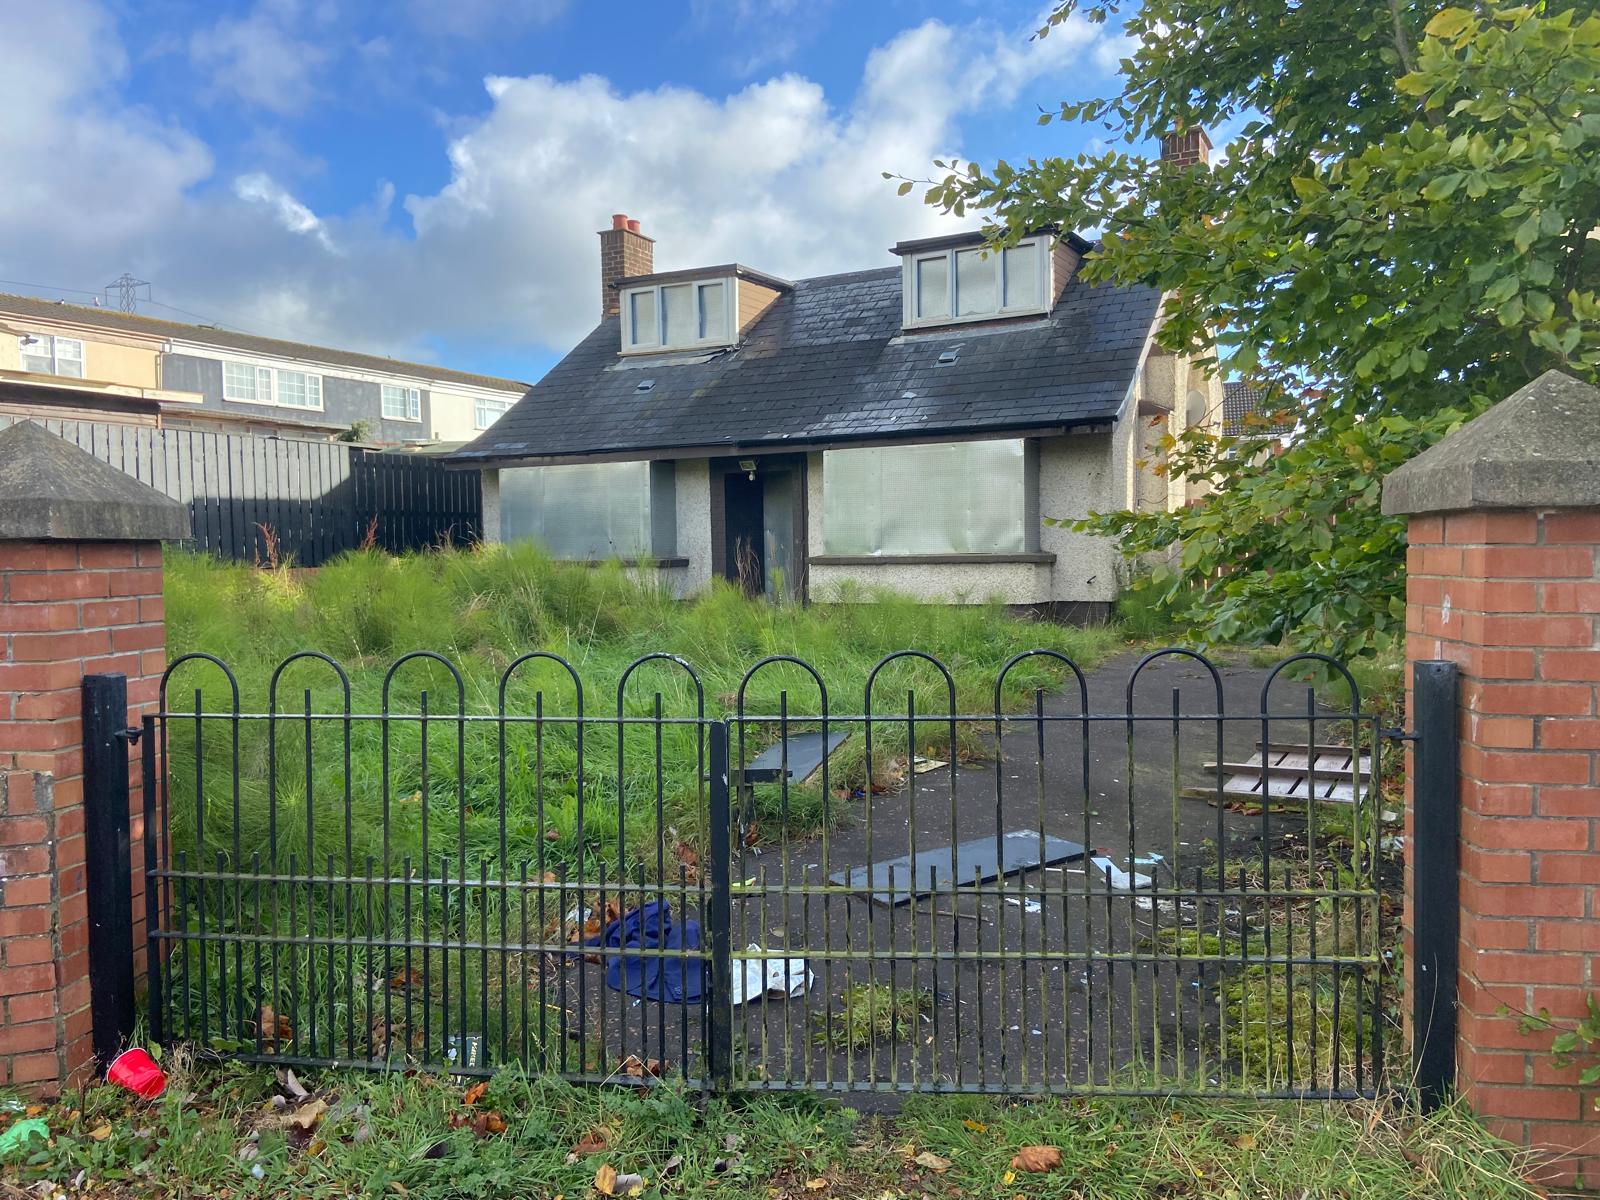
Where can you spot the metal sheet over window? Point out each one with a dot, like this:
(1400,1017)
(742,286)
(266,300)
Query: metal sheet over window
(587,511)
(948,498)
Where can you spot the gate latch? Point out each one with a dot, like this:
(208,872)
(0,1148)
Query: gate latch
(1399,735)
(131,734)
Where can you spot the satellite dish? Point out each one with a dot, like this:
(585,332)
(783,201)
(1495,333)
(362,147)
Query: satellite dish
(1194,409)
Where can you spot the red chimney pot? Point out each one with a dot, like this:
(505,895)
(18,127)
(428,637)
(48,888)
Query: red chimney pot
(633,225)
(619,220)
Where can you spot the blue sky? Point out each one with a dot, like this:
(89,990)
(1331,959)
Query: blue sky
(425,177)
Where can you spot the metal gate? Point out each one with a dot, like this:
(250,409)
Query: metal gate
(1175,878)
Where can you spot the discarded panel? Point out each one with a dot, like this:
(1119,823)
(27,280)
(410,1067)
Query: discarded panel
(806,753)
(975,861)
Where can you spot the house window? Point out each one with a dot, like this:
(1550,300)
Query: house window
(297,389)
(947,498)
(247,383)
(402,403)
(591,511)
(976,283)
(676,316)
(486,412)
(47,355)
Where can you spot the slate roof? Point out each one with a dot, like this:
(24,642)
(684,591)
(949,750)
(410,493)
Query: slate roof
(828,363)
(1241,400)
(209,335)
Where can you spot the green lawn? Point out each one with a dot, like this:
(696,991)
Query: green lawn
(217,1133)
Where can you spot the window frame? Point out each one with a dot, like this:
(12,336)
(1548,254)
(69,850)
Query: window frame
(724,336)
(53,343)
(266,380)
(410,402)
(911,290)
(477,407)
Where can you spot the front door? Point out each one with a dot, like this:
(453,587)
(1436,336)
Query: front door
(744,547)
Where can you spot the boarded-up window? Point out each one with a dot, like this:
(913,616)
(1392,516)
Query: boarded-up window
(590,510)
(948,498)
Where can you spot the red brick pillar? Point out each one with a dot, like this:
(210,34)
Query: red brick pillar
(71,604)
(1503,578)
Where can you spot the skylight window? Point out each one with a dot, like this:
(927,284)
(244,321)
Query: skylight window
(677,316)
(975,283)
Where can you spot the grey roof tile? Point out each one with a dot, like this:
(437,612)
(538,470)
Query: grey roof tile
(830,362)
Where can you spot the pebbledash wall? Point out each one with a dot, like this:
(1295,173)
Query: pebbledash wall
(80,594)
(1503,578)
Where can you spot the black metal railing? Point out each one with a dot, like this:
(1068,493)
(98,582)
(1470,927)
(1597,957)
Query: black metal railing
(1124,886)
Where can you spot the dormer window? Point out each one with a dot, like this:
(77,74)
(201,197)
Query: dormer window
(948,280)
(678,316)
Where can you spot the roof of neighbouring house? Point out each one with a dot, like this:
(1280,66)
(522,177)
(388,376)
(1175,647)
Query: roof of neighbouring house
(210,335)
(1241,401)
(829,362)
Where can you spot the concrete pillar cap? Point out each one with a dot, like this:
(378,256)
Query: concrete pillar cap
(1538,448)
(51,490)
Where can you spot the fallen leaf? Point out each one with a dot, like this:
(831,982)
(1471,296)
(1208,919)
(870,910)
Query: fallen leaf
(406,978)
(816,1185)
(1245,1141)
(932,1161)
(488,1124)
(474,1093)
(975,1126)
(638,1068)
(1008,1178)
(399,1188)
(552,835)
(292,1085)
(101,1131)
(686,854)
(33,1110)
(605,1180)
(272,1027)
(1036,1159)
(590,1143)
(308,1114)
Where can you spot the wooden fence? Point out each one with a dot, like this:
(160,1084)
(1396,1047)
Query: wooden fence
(255,498)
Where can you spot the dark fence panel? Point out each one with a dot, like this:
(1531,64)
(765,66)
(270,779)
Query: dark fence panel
(271,499)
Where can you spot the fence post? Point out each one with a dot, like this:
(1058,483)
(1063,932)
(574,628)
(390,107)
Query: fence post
(1435,863)
(152,898)
(719,916)
(108,866)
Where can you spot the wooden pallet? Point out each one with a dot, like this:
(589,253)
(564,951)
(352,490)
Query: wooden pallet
(1291,774)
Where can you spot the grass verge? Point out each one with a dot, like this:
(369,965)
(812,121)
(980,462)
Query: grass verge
(218,1133)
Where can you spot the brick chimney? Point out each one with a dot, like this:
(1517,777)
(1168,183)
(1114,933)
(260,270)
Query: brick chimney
(1187,148)
(624,251)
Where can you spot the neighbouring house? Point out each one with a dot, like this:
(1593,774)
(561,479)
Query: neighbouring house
(74,361)
(1246,412)
(914,426)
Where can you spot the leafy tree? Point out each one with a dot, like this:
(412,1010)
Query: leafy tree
(1396,234)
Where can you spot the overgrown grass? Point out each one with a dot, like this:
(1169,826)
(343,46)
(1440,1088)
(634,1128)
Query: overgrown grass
(217,1133)
(871,1014)
(406,799)
(482,608)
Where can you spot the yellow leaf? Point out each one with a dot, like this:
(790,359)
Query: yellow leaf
(1245,1141)
(975,1126)
(932,1161)
(605,1180)
(816,1185)
(1008,1178)
(1449,23)
(101,1131)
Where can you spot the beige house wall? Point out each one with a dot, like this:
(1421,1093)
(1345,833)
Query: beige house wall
(106,357)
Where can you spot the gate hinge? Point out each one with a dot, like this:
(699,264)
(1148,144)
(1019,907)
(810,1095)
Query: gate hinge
(131,734)
(1399,735)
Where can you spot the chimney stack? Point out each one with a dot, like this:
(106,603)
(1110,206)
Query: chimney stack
(624,252)
(1187,148)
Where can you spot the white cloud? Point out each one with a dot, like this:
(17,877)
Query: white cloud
(775,175)
(257,59)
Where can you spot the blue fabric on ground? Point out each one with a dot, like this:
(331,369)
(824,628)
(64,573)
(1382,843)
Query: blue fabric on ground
(671,979)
